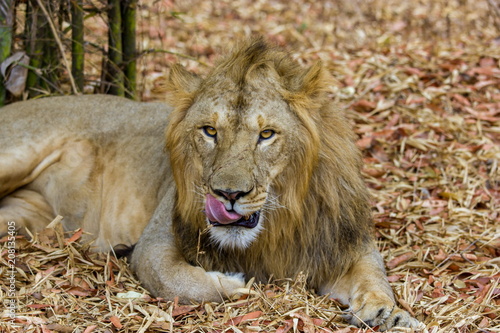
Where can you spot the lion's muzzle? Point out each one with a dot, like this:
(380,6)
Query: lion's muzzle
(218,215)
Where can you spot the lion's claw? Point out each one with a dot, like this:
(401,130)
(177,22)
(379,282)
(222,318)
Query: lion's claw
(399,318)
(379,310)
(227,284)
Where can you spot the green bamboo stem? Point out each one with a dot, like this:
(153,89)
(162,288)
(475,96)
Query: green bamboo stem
(129,9)
(115,56)
(6,21)
(51,62)
(77,49)
(36,28)
(58,42)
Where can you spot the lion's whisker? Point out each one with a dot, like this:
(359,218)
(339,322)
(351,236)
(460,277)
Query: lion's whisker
(273,203)
(200,193)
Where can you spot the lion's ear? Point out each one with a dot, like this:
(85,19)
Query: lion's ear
(315,81)
(181,84)
(310,88)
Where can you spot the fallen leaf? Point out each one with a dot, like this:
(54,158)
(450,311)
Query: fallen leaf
(365,142)
(75,236)
(306,320)
(116,322)
(39,306)
(400,259)
(90,329)
(287,327)
(78,291)
(344,330)
(14,70)
(60,328)
(249,316)
(182,309)
(130,295)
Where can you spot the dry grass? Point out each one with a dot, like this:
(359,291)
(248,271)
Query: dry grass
(420,81)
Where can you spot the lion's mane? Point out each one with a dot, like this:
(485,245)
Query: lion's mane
(325,219)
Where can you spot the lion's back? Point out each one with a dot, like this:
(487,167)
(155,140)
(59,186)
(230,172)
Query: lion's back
(91,114)
(97,160)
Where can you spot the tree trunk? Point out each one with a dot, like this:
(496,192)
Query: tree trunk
(6,22)
(77,50)
(115,56)
(129,9)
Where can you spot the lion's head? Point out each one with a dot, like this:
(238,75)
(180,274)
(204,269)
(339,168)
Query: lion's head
(257,147)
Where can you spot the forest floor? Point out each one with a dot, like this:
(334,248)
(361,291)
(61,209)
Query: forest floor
(420,81)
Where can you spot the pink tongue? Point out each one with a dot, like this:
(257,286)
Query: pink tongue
(216,212)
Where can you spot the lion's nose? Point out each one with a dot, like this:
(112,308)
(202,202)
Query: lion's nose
(231,195)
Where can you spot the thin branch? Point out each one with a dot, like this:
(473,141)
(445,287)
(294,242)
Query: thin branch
(59,44)
(40,74)
(144,52)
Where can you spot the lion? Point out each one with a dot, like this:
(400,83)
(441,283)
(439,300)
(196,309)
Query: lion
(260,178)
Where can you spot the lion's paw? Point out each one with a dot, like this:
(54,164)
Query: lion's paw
(400,318)
(375,309)
(228,284)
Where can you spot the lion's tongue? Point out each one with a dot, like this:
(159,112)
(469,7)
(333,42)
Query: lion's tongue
(216,212)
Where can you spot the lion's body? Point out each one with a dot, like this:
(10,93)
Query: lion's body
(86,159)
(260,177)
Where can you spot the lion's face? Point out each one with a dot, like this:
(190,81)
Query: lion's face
(244,142)
(242,139)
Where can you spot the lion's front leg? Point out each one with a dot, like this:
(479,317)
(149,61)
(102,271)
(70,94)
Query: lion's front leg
(162,269)
(167,275)
(371,301)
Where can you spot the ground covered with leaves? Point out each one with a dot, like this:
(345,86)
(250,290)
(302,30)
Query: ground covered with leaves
(421,83)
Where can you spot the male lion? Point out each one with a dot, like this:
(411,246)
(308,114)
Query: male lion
(261,179)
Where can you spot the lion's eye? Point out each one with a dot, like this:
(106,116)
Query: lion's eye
(266,134)
(210,131)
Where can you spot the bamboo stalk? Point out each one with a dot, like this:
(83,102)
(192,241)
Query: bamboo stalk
(6,21)
(77,49)
(51,60)
(59,44)
(34,30)
(115,56)
(129,9)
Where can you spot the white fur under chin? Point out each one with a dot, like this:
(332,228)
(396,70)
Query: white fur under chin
(235,237)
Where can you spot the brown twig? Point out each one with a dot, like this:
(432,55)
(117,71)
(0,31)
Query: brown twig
(144,52)
(59,44)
